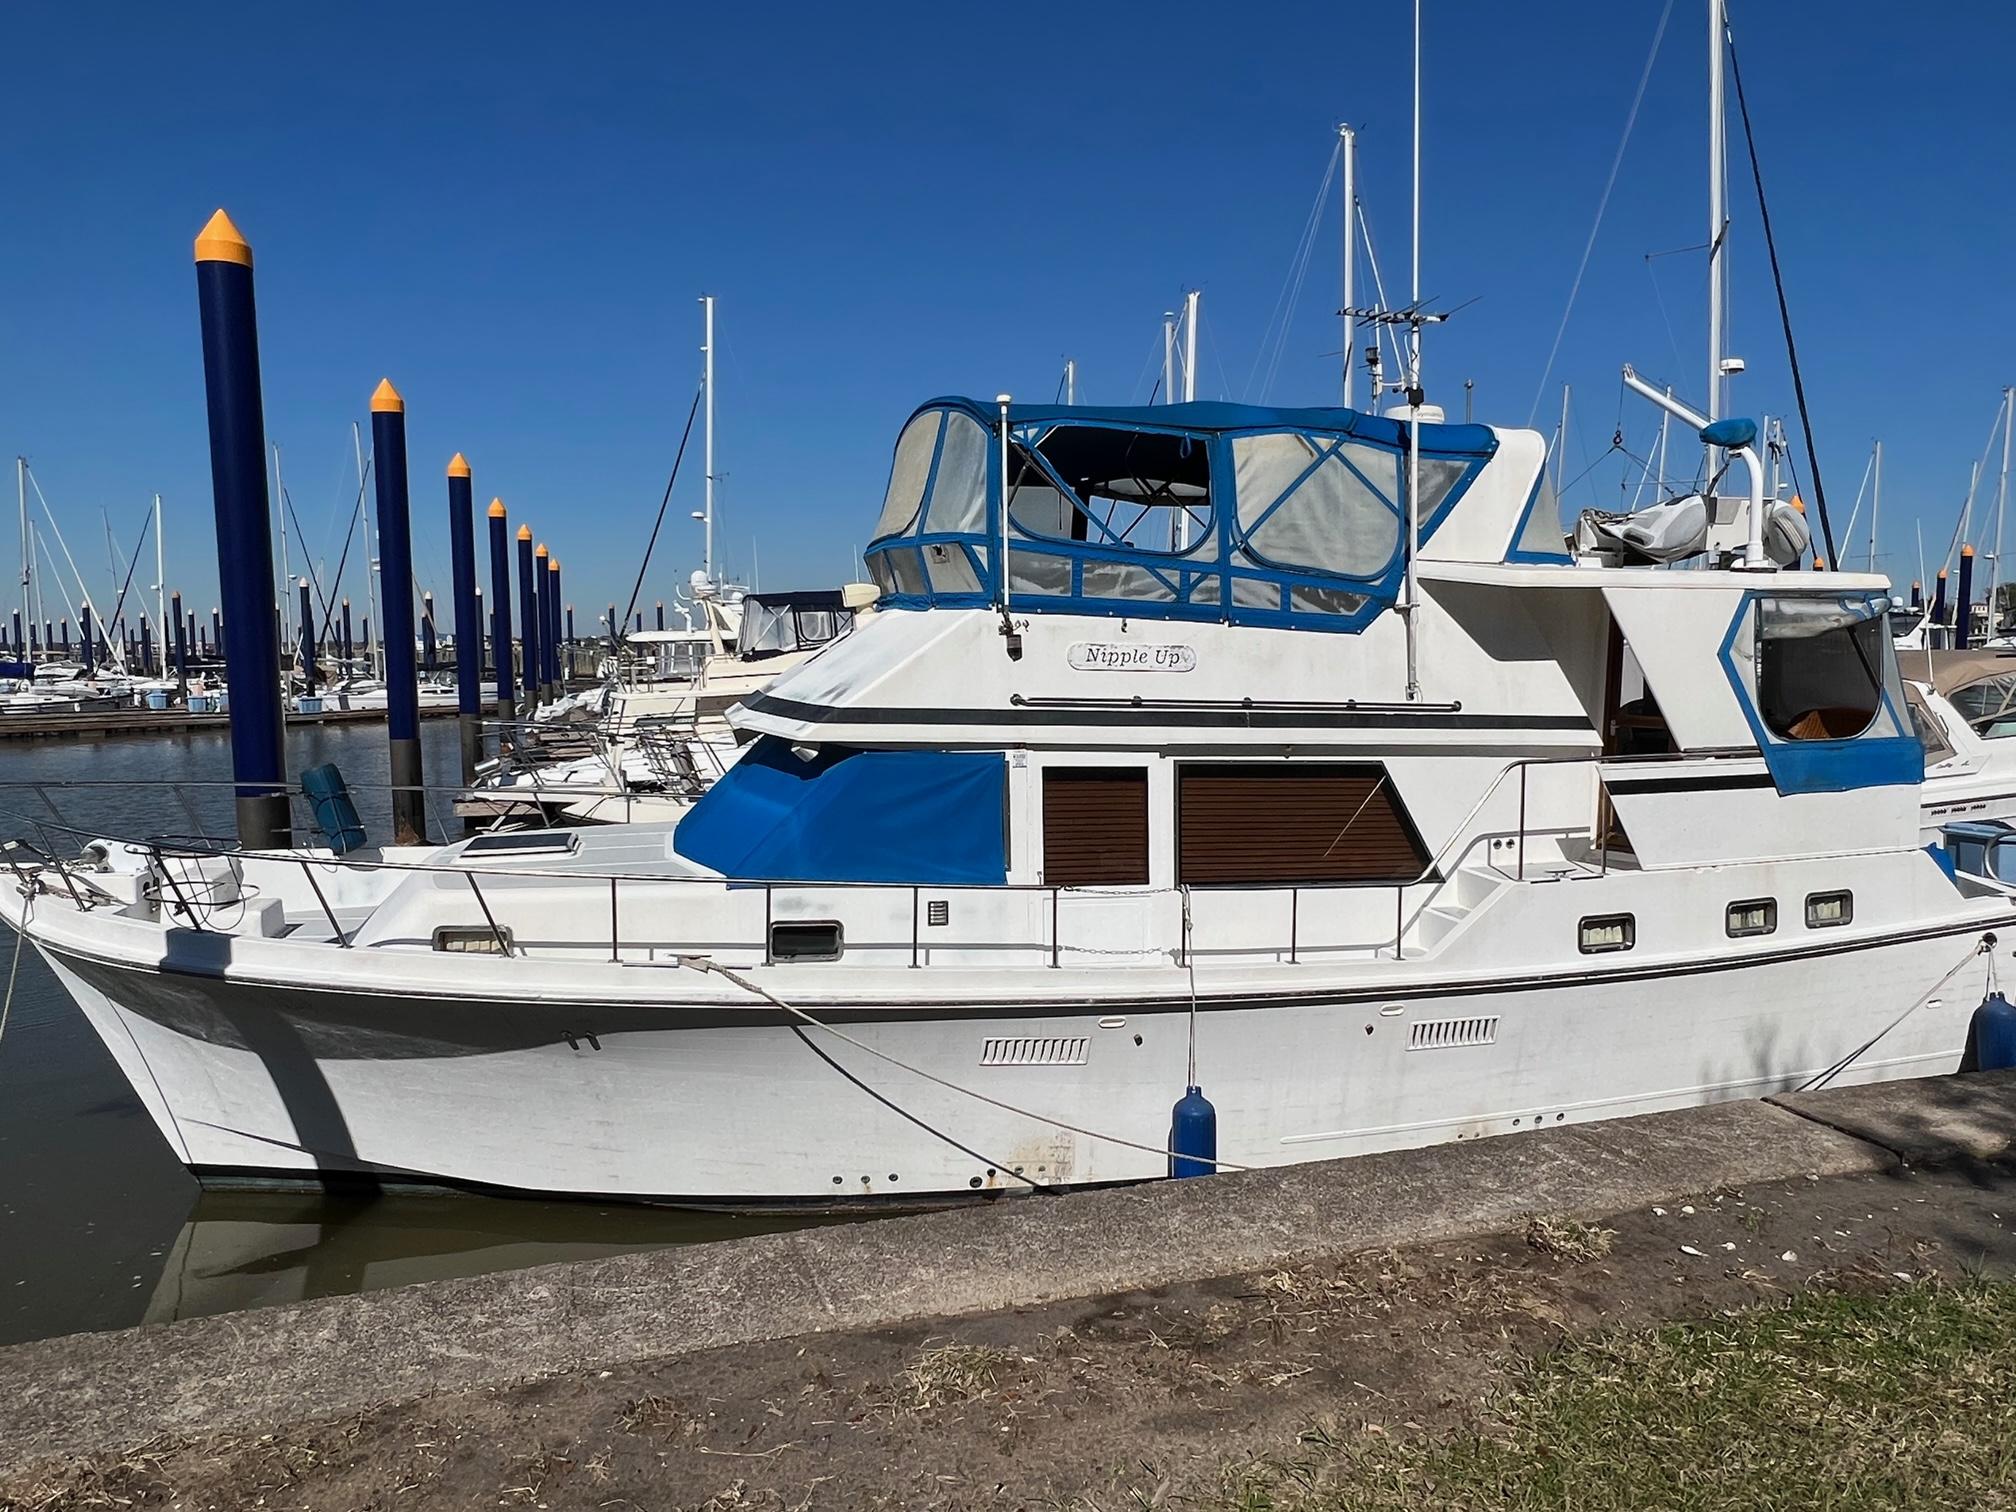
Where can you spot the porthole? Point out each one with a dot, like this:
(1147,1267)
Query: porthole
(1830,910)
(1755,916)
(1605,933)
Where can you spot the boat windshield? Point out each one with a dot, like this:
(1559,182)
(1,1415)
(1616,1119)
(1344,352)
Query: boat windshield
(1192,511)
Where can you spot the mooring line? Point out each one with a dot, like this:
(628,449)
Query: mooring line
(1984,945)
(705,963)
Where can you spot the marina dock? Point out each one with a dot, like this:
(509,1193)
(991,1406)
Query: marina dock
(125,722)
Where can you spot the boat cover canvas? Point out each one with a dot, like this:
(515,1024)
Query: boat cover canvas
(850,815)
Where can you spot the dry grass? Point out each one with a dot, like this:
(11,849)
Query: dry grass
(1566,1239)
(950,1375)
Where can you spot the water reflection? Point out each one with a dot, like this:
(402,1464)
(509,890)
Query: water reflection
(101,1227)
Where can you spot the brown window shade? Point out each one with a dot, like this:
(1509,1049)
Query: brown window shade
(1095,826)
(1292,822)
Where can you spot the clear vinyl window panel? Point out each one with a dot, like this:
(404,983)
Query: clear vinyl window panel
(1820,666)
(1329,507)
(909,473)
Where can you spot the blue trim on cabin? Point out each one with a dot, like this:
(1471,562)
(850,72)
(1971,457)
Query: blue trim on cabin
(1825,766)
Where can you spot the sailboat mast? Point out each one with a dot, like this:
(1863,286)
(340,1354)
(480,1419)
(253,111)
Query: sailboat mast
(1875,505)
(160,583)
(377,646)
(1168,356)
(707,383)
(1190,346)
(27,545)
(2001,502)
(1718,215)
(1348,147)
(286,572)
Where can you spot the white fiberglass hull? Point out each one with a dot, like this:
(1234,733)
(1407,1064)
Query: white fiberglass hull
(730,1100)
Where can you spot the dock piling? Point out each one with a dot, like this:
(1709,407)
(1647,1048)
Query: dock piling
(427,647)
(304,654)
(244,537)
(468,615)
(549,641)
(528,620)
(500,607)
(395,565)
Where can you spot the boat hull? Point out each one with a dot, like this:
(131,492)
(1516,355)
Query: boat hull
(710,1104)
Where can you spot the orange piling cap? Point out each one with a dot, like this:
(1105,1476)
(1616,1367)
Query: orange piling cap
(553,565)
(219,241)
(496,509)
(458,466)
(1942,572)
(542,548)
(524,532)
(1916,584)
(346,602)
(385,399)
(1966,551)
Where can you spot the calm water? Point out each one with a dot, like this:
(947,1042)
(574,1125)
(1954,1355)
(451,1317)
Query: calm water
(101,1227)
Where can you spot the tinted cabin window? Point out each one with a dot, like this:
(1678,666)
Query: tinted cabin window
(1284,823)
(1095,826)
(1819,677)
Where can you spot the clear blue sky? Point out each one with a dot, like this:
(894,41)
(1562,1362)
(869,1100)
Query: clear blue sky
(510,210)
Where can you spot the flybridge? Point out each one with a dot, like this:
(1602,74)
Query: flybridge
(1219,512)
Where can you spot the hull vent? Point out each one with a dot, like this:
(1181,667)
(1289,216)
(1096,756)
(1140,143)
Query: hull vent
(1055,1051)
(1448,1034)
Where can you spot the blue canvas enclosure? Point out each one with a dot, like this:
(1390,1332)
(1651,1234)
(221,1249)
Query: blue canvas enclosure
(1225,512)
(851,815)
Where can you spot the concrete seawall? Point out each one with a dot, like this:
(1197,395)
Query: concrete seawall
(253,1371)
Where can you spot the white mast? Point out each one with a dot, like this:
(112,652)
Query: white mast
(375,648)
(160,578)
(1190,346)
(1348,147)
(1875,504)
(1414,394)
(1168,356)
(27,545)
(2001,501)
(1718,190)
(286,573)
(1070,380)
(707,384)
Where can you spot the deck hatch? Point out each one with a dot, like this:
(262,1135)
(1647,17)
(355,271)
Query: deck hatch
(524,843)
(1034,1050)
(1450,1034)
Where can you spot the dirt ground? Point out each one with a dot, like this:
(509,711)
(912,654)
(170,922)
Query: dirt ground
(1152,1399)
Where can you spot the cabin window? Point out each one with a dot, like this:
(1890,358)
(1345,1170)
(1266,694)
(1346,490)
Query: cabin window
(1095,826)
(1757,916)
(1332,506)
(1829,909)
(958,489)
(1606,934)
(1134,490)
(1927,727)
(805,940)
(909,473)
(1291,823)
(472,939)
(1820,666)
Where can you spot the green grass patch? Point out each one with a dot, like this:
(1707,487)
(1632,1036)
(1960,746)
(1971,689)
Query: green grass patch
(1904,1398)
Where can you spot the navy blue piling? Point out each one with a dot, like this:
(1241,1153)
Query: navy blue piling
(427,648)
(570,624)
(551,639)
(66,637)
(146,647)
(542,608)
(661,614)
(349,643)
(500,607)
(640,621)
(1939,598)
(171,634)
(468,616)
(84,637)
(217,630)
(244,536)
(20,645)
(395,571)
(304,654)
(528,618)
(181,659)
(1963,611)
(615,628)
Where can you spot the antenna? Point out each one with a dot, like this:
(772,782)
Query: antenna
(1348,147)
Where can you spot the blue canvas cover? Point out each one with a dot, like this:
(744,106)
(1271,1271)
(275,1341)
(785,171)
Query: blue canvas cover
(850,815)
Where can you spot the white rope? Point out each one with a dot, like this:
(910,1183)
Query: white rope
(1984,945)
(704,963)
(1291,283)
(1602,205)
(7,1004)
